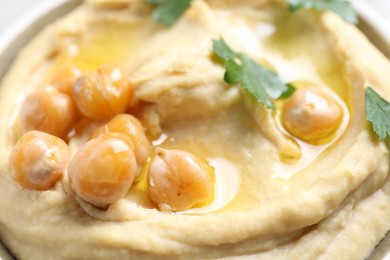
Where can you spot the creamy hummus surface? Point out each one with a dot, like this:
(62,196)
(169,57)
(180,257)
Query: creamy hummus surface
(275,195)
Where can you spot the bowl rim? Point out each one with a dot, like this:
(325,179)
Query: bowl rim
(15,37)
(378,26)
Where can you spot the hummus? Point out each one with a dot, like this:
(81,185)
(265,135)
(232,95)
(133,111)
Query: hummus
(275,195)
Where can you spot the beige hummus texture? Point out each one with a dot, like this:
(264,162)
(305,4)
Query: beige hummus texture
(333,202)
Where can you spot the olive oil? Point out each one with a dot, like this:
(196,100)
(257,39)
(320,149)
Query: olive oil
(109,42)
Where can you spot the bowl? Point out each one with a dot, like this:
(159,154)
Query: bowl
(374,26)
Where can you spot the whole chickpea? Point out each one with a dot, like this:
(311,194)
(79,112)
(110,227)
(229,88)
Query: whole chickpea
(38,160)
(311,114)
(48,110)
(64,78)
(177,180)
(102,94)
(103,170)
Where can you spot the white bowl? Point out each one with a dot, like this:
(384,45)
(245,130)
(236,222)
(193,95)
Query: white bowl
(374,26)
(371,23)
(13,39)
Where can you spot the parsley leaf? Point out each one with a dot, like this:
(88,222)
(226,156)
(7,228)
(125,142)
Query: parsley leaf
(259,81)
(378,113)
(168,11)
(341,7)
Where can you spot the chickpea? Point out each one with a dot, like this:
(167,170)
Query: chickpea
(177,180)
(38,160)
(130,126)
(103,170)
(64,79)
(102,94)
(48,110)
(311,114)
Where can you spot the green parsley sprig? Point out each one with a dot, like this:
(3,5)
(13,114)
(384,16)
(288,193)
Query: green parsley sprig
(378,113)
(259,81)
(341,7)
(168,11)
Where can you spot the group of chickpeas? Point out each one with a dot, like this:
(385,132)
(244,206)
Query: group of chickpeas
(118,153)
